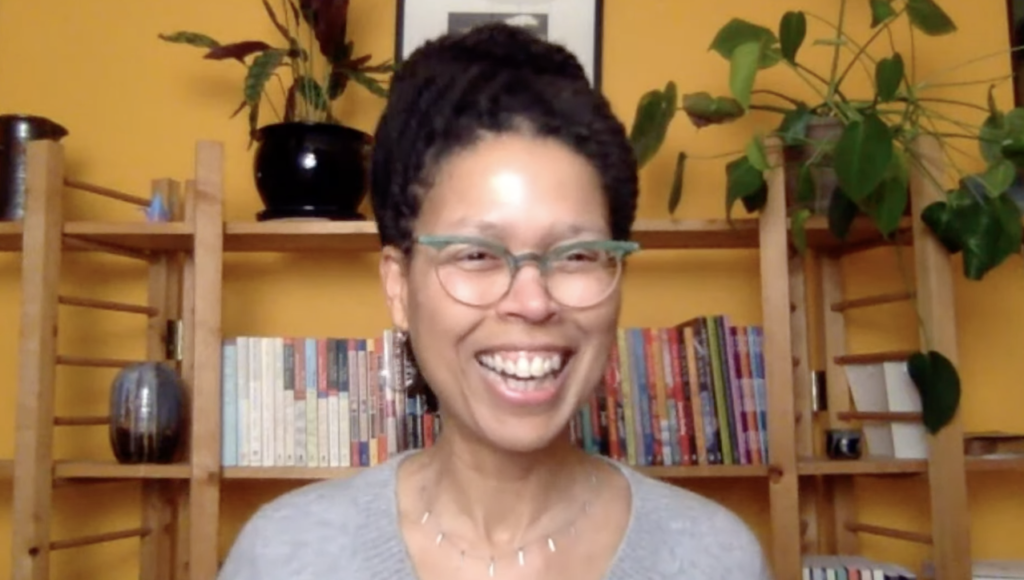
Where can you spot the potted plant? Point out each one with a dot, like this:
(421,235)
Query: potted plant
(307,163)
(848,155)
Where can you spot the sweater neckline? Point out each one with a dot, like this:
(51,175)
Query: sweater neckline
(400,550)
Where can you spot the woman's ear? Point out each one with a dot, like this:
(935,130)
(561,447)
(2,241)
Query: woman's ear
(394,278)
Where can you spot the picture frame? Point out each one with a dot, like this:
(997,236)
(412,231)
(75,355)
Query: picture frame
(1015,20)
(576,24)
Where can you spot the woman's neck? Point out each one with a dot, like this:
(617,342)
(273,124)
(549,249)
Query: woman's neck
(506,499)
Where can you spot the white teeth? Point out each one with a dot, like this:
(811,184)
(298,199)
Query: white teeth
(522,366)
(536,366)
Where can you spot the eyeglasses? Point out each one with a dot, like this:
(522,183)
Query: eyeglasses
(479,272)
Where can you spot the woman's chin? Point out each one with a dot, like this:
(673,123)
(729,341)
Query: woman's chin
(523,435)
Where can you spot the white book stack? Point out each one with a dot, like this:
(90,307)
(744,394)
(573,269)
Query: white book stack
(887,388)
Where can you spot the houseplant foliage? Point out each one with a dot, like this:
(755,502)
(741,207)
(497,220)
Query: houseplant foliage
(863,166)
(305,73)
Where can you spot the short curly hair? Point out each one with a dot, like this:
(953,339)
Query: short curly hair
(494,78)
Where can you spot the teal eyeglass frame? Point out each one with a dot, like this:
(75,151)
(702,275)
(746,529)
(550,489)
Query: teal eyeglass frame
(621,248)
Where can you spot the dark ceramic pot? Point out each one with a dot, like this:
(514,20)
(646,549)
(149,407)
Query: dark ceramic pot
(311,170)
(823,132)
(16,131)
(147,410)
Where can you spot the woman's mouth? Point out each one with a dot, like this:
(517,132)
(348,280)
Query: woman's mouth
(524,376)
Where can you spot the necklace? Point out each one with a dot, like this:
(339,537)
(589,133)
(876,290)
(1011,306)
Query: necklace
(547,541)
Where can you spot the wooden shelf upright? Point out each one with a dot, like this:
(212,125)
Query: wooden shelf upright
(170,492)
(811,502)
(828,509)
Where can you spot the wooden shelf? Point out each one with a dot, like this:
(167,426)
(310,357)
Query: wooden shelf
(140,236)
(983,464)
(301,236)
(329,236)
(659,472)
(889,466)
(867,466)
(704,471)
(111,470)
(361,236)
(169,236)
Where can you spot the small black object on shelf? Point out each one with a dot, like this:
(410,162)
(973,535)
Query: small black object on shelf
(311,171)
(843,443)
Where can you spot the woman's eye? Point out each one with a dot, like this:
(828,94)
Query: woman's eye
(476,255)
(581,256)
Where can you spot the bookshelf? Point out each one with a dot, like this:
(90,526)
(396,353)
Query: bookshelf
(180,517)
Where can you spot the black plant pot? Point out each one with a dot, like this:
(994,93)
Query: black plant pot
(311,170)
(15,133)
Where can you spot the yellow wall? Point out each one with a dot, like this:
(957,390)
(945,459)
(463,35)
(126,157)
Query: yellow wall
(135,107)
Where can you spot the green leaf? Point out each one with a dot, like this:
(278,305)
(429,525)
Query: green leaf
(793,128)
(654,113)
(799,230)
(999,176)
(881,10)
(1001,132)
(938,383)
(862,156)
(254,119)
(887,204)
(990,137)
(990,231)
(806,190)
(1012,150)
(841,212)
(744,182)
(938,217)
(756,154)
(929,18)
(704,110)
(191,38)
(260,71)
(311,92)
(792,31)
(888,76)
(986,229)
(743,71)
(675,192)
(738,32)
(369,83)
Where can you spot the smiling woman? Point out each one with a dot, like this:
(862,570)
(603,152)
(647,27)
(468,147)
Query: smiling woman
(505,191)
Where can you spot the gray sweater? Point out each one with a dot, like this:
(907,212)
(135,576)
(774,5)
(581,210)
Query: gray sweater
(347,529)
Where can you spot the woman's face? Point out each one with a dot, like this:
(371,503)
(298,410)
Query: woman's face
(528,194)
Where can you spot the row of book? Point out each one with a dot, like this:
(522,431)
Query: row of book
(691,394)
(319,402)
(850,567)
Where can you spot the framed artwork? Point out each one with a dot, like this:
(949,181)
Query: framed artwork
(1015,17)
(575,24)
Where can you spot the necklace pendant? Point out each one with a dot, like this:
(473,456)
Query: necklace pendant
(440,536)
(490,568)
(551,544)
(522,557)
(426,515)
